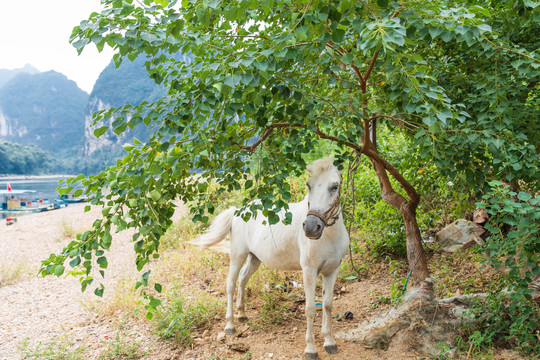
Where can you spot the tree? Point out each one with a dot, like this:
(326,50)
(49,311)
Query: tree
(271,81)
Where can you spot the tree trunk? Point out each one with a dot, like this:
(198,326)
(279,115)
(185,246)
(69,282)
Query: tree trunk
(416,256)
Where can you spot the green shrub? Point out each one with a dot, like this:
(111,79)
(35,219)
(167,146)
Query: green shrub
(509,315)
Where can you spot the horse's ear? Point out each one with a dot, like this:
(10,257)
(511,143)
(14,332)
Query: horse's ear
(309,169)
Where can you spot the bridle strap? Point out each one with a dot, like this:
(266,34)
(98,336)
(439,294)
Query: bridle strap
(331,213)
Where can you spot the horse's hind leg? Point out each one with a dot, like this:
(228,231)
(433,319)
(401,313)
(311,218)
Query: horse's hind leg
(237,259)
(249,269)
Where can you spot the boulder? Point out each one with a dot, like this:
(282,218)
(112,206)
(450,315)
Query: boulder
(460,233)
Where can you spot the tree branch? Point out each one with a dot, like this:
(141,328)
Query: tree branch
(269,129)
(371,64)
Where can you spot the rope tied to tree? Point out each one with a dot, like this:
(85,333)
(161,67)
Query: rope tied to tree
(350,193)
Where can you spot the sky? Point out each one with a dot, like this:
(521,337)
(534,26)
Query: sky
(37,32)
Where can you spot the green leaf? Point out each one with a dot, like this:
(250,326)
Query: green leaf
(158,287)
(59,270)
(100,131)
(102,262)
(155,195)
(75,262)
(523,196)
(232,80)
(347,58)
(338,35)
(531,3)
(435,31)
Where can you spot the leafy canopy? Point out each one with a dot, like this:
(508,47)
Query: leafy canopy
(271,81)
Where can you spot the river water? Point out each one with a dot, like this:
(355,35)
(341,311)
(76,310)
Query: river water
(45,187)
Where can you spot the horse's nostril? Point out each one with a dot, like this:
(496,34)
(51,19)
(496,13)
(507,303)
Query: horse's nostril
(319,227)
(304,224)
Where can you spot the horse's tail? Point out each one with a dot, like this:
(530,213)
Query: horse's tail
(218,230)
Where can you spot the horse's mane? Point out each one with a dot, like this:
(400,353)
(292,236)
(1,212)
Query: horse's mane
(320,166)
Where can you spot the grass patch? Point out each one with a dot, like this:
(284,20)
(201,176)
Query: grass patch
(123,299)
(122,348)
(67,231)
(272,311)
(182,316)
(64,348)
(462,272)
(183,230)
(11,273)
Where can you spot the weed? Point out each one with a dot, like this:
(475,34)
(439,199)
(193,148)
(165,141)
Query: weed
(67,231)
(398,283)
(11,273)
(381,299)
(178,232)
(123,299)
(120,348)
(62,349)
(183,316)
(473,349)
(272,311)
(463,273)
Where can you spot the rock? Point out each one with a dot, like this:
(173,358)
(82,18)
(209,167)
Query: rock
(242,331)
(199,341)
(240,347)
(480,216)
(221,336)
(348,315)
(459,233)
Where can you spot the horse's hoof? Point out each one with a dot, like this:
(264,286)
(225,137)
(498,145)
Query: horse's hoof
(312,356)
(243,319)
(331,349)
(230,331)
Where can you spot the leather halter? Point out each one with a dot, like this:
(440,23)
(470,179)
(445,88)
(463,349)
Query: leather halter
(331,213)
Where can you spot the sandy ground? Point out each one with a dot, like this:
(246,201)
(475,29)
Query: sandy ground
(41,309)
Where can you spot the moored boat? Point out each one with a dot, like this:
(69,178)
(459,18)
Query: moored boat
(72,199)
(21,201)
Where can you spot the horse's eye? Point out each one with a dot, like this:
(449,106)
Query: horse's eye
(334,188)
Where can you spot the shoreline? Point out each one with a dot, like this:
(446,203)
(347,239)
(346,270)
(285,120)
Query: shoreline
(33,177)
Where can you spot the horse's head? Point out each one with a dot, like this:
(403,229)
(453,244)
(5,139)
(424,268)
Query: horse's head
(323,198)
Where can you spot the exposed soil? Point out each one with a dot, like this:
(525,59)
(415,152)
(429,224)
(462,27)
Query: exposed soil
(34,310)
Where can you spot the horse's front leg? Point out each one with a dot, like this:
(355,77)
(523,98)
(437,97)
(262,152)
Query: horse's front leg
(328,296)
(310,280)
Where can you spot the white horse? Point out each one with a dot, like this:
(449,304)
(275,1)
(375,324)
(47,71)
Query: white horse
(315,242)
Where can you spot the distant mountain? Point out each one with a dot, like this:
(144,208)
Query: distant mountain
(44,109)
(49,111)
(6,75)
(115,87)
